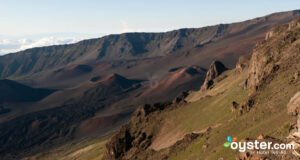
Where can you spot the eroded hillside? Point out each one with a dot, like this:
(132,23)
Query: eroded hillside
(138,55)
(100,82)
(244,102)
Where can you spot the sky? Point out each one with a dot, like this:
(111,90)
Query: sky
(32,23)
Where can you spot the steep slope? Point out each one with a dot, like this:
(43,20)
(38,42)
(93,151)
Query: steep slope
(139,46)
(112,117)
(92,100)
(183,79)
(95,106)
(11,91)
(278,54)
(51,124)
(270,54)
(269,79)
(71,71)
(173,123)
(108,88)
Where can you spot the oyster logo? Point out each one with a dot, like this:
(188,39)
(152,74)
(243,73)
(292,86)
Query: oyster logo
(229,141)
(261,147)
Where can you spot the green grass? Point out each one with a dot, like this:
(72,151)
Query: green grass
(268,116)
(86,149)
(209,110)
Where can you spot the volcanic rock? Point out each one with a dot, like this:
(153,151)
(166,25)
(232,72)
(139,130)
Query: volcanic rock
(215,69)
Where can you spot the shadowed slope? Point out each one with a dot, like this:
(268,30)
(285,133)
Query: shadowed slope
(11,91)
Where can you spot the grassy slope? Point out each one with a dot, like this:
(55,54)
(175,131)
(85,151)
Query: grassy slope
(268,116)
(86,149)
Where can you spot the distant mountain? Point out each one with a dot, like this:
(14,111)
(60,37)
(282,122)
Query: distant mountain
(100,82)
(203,43)
(243,102)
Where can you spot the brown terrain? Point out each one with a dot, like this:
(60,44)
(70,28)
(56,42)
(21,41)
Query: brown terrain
(95,86)
(274,61)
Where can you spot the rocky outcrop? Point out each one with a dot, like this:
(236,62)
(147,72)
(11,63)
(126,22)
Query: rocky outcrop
(134,139)
(243,62)
(136,136)
(293,108)
(215,69)
(245,106)
(234,106)
(268,56)
(276,55)
(275,31)
(295,77)
(294,105)
(294,24)
(181,98)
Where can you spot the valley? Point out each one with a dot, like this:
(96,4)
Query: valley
(169,95)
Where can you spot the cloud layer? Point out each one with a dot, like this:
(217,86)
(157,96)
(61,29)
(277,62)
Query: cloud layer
(10,45)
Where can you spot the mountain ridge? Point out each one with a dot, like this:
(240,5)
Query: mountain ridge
(128,46)
(244,102)
(100,85)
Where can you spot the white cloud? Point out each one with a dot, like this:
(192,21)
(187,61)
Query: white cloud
(5,42)
(15,45)
(127,28)
(25,44)
(5,51)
